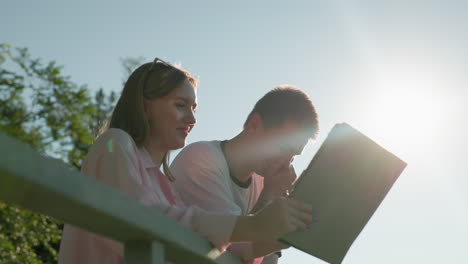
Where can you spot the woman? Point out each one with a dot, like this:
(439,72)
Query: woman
(154,115)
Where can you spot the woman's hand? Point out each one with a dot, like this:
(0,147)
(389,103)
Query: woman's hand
(282,216)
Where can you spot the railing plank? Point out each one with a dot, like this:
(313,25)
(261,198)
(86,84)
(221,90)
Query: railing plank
(48,186)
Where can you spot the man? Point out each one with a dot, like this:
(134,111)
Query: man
(243,174)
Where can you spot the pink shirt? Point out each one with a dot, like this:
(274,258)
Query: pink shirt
(114,159)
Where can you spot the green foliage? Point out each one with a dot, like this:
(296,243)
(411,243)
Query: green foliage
(129,65)
(45,109)
(26,237)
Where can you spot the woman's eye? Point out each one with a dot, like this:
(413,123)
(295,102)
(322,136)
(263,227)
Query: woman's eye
(180,105)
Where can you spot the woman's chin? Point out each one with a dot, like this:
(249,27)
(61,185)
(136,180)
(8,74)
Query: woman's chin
(177,145)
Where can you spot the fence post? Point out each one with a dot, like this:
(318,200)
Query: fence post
(144,252)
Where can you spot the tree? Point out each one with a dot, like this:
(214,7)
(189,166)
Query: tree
(45,109)
(129,64)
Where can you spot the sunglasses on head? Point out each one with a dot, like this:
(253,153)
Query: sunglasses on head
(158,61)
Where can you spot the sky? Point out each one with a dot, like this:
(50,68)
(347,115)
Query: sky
(395,70)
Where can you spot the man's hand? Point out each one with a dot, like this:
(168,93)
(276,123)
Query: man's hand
(275,185)
(280,182)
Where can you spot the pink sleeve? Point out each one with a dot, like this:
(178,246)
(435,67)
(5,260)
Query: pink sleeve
(120,167)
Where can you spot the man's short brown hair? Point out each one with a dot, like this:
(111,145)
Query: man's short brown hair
(286,103)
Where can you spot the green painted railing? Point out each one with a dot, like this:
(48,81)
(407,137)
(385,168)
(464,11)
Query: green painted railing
(49,187)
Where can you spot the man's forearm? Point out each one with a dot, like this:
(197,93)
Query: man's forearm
(260,249)
(270,259)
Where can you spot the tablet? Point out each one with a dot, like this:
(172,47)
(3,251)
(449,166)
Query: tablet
(345,183)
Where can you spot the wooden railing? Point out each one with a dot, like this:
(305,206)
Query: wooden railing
(49,187)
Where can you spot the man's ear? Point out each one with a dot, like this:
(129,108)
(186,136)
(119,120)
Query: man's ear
(255,123)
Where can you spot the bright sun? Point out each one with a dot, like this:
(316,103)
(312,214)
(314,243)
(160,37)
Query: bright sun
(406,108)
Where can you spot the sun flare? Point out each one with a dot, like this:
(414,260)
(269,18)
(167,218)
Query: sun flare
(406,108)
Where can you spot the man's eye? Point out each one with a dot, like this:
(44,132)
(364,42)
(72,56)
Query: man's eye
(180,105)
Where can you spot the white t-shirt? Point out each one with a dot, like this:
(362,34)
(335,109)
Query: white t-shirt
(203,179)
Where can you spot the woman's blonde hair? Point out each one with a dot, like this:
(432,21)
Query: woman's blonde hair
(149,81)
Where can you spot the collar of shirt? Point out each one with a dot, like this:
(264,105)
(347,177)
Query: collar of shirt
(146,158)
